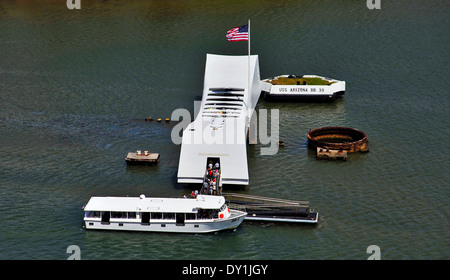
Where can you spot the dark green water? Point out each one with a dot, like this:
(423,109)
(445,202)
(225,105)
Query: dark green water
(75,87)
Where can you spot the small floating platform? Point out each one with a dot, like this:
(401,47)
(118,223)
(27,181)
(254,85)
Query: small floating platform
(268,209)
(324,153)
(142,158)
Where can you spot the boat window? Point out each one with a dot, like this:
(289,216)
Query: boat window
(169,216)
(119,215)
(190,216)
(145,218)
(156,215)
(180,219)
(201,214)
(93,214)
(208,214)
(105,217)
(131,215)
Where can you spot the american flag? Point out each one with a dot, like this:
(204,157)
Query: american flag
(239,33)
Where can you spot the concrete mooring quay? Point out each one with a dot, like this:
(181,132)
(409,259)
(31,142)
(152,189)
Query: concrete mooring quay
(267,209)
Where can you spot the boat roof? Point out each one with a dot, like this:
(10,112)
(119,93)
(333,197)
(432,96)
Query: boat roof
(154,204)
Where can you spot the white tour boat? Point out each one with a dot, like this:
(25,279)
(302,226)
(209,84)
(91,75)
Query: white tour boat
(205,213)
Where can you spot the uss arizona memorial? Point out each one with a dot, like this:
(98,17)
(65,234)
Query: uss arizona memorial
(232,87)
(226,117)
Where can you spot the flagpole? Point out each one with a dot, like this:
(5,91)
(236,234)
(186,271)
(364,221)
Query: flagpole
(249,85)
(248,37)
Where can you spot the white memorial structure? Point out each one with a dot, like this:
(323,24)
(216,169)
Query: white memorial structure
(219,132)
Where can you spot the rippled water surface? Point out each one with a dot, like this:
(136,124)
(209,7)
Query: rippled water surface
(75,87)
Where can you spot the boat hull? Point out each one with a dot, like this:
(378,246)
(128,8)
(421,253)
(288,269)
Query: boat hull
(189,226)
